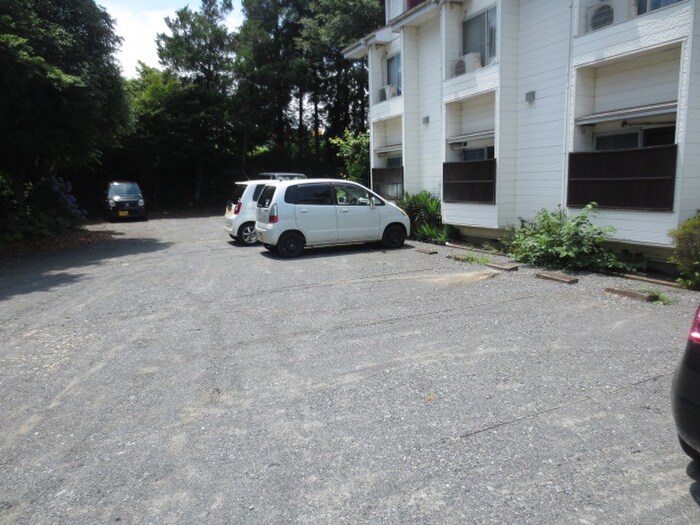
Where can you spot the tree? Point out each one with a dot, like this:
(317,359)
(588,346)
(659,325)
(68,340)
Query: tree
(199,51)
(339,85)
(61,93)
(200,48)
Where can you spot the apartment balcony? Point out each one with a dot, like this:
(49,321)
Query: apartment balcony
(398,7)
(635,179)
(469,182)
(388,182)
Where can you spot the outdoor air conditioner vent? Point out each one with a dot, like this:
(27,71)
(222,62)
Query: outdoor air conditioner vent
(606,13)
(468,62)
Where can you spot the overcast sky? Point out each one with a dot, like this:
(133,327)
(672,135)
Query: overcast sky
(139,21)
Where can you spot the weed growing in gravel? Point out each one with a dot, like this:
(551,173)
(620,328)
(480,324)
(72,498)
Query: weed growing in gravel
(472,258)
(658,297)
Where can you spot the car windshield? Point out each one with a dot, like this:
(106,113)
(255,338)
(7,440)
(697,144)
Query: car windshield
(124,188)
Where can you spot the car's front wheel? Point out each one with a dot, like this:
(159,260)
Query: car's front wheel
(394,236)
(246,233)
(291,244)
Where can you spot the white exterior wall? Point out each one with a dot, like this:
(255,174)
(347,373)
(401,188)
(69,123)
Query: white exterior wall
(543,67)
(649,79)
(506,114)
(689,102)
(642,61)
(411,129)
(429,107)
(543,47)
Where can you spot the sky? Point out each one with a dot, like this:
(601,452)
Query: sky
(139,21)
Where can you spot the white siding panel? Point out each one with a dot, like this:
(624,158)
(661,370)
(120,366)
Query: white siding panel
(429,107)
(543,68)
(647,80)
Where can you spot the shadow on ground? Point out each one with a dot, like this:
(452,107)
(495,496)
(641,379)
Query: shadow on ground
(25,271)
(335,251)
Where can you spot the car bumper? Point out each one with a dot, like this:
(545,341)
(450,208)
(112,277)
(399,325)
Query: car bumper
(231,225)
(126,213)
(267,234)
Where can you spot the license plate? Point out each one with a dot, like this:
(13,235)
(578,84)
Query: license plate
(123,213)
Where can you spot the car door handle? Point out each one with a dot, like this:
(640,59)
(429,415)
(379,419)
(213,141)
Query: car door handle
(344,210)
(304,211)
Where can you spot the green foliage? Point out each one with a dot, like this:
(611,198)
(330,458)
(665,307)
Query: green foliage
(421,208)
(47,209)
(199,47)
(353,150)
(473,258)
(658,297)
(687,252)
(432,233)
(61,104)
(555,240)
(424,211)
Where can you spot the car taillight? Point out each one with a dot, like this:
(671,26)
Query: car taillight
(237,208)
(695,329)
(274,217)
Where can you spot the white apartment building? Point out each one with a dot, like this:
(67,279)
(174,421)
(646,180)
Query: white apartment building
(505,107)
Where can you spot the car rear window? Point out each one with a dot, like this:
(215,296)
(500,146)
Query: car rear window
(257,191)
(266,196)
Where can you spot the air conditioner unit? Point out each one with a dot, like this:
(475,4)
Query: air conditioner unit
(390,91)
(607,12)
(468,62)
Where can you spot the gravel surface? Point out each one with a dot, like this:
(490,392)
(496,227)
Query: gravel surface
(169,376)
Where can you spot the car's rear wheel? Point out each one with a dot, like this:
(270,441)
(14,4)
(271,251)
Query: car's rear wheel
(291,244)
(394,236)
(246,233)
(689,451)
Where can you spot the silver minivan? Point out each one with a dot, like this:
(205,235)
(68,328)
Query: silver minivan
(315,212)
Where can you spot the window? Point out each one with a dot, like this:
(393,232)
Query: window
(616,142)
(313,194)
(661,136)
(394,162)
(349,195)
(393,72)
(479,36)
(644,6)
(472,154)
(266,196)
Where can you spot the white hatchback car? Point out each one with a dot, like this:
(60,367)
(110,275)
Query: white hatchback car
(239,219)
(314,212)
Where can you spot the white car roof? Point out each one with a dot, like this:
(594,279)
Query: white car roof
(257,181)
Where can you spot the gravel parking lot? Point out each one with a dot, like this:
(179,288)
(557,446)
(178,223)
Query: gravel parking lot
(169,376)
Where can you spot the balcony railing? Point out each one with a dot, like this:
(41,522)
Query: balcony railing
(641,179)
(388,182)
(473,181)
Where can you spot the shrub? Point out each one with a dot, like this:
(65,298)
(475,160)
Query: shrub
(49,209)
(555,240)
(424,211)
(422,208)
(431,233)
(687,252)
